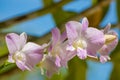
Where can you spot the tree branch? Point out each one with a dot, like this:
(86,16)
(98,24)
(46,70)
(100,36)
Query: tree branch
(38,13)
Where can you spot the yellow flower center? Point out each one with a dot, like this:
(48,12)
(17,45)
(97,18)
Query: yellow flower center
(80,44)
(19,56)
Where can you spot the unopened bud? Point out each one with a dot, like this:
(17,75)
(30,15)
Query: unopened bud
(109,38)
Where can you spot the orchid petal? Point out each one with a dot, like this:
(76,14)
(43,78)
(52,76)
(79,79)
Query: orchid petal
(32,59)
(71,31)
(63,36)
(34,54)
(66,56)
(50,66)
(57,61)
(70,55)
(94,38)
(81,53)
(85,24)
(33,51)
(10,59)
(104,50)
(55,35)
(107,28)
(104,59)
(107,48)
(12,41)
(70,48)
(30,46)
(23,39)
(21,65)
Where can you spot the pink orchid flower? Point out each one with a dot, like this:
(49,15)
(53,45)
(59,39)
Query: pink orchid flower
(65,55)
(25,55)
(48,66)
(83,40)
(58,48)
(111,41)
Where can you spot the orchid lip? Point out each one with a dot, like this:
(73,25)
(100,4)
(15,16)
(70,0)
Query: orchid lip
(79,44)
(19,56)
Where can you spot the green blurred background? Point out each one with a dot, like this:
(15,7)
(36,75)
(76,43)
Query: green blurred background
(38,17)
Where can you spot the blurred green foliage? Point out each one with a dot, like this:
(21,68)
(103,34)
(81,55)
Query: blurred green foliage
(77,69)
(115,56)
(118,9)
(3,47)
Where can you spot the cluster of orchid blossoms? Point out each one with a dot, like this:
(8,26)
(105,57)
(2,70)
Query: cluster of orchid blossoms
(77,40)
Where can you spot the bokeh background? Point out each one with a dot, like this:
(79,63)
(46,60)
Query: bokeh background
(38,17)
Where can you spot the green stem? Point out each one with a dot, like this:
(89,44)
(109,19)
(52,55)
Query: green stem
(6,67)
